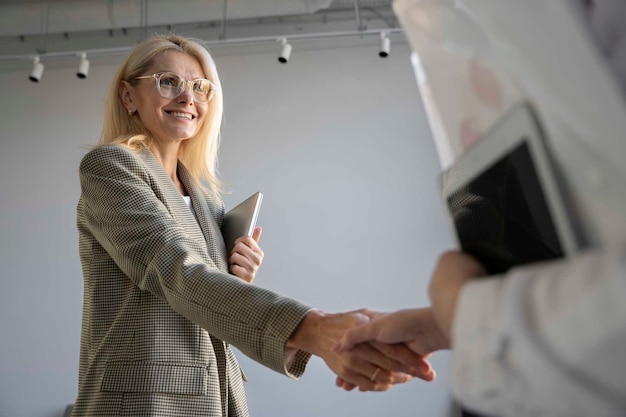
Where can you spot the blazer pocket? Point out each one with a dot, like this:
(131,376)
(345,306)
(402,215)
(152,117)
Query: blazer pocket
(155,378)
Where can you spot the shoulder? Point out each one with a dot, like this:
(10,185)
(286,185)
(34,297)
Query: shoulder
(108,154)
(110,158)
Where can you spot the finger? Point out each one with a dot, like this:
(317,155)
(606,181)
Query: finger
(256,235)
(239,265)
(248,248)
(342,383)
(242,273)
(368,364)
(383,379)
(243,254)
(367,352)
(416,364)
(369,378)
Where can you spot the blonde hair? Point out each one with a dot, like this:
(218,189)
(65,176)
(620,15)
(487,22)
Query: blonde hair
(198,153)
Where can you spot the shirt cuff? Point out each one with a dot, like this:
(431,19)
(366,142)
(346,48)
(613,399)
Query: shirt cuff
(479,340)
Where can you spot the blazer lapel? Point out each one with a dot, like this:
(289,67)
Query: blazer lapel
(203,229)
(206,219)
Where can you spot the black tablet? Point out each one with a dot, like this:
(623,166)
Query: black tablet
(504,198)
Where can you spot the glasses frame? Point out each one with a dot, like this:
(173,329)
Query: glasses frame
(187,83)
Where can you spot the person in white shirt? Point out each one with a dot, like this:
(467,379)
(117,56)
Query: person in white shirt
(546,339)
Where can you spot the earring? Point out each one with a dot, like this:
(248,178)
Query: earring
(130,112)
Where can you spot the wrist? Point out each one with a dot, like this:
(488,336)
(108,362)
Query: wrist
(305,337)
(444,306)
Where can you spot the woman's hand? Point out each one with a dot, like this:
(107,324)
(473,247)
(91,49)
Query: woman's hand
(366,365)
(246,257)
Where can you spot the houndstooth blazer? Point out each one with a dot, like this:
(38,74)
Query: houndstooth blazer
(160,308)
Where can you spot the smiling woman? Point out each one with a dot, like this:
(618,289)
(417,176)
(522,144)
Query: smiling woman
(131,123)
(163,301)
(170,112)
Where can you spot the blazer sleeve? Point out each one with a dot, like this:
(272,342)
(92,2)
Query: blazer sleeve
(122,211)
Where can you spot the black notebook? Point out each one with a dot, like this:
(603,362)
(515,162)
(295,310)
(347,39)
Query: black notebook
(505,200)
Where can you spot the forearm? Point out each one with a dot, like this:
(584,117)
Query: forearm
(547,338)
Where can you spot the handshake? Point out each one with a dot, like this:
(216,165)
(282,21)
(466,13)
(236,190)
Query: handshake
(374,351)
(370,350)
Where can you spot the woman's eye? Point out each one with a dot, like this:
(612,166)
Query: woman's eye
(169,81)
(202,86)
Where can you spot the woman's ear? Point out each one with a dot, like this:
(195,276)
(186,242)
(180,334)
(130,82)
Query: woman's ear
(126,95)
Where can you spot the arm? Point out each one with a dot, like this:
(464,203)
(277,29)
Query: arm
(548,338)
(121,206)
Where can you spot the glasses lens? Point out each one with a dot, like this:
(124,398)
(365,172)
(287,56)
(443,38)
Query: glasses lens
(202,90)
(170,85)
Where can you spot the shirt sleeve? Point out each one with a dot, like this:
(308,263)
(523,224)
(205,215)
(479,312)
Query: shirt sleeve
(545,340)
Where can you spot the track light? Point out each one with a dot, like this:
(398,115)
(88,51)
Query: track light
(384,45)
(285,53)
(37,72)
(83,66)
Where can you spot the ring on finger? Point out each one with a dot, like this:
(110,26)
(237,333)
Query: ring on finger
(375,374)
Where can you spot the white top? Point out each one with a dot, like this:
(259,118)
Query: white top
(545,340)
(550,339)
(188,201)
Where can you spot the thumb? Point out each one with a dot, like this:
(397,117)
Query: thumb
(256,235)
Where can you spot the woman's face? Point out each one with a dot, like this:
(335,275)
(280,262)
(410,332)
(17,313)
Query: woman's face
(167,119)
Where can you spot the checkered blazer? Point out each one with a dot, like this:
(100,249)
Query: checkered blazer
(160,308)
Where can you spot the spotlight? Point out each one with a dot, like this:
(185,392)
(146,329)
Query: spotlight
(384,45)
(285,53)
(37,72)
(83,66)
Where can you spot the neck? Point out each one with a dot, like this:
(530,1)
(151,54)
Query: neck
(168,157)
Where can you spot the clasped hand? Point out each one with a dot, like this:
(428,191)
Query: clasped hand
(421,331)
(371,366)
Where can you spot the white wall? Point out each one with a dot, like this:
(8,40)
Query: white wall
(336,140)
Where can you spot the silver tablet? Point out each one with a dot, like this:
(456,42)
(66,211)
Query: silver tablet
(504,198)
(241,220)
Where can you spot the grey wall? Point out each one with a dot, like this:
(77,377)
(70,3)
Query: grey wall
(336,140)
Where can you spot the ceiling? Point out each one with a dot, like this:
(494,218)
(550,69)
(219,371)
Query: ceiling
(36,27)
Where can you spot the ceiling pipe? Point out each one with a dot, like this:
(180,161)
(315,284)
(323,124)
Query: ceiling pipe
(23,19)
(357,13)
(224,15)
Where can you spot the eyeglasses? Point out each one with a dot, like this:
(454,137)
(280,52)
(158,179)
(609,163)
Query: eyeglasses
(172,85)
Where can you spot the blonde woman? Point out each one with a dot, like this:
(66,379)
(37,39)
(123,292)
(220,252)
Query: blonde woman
(163,300)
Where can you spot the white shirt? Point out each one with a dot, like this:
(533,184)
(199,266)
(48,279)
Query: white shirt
(550,339)
(545,340)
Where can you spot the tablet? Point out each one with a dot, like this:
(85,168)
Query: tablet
(241,220)
(504,198)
